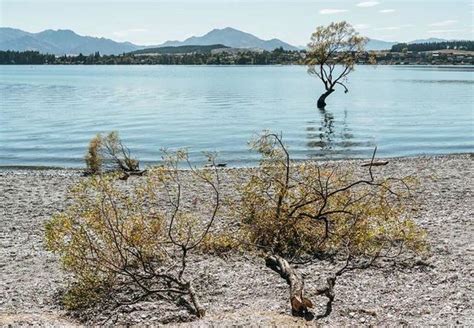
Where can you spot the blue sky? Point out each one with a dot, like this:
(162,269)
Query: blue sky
(153,22)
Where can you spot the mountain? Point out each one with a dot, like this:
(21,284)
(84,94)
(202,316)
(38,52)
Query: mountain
(60,42)
(386,45)
(232,38)
(374,44)
(7,34)
(430,40)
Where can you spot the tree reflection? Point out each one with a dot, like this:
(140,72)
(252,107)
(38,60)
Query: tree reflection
(327,137)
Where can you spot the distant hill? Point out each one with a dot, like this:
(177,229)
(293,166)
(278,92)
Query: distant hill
(232,38)
(8,33)
(386,45)
(180,49)
(374,44)
(433,46)
(430,40)
(60,42)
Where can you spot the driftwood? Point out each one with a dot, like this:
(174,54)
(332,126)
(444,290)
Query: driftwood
(299,303)
(210,165)
(381,163)
(128,174)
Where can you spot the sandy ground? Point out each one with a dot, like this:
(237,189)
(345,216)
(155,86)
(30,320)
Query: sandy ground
(243,291)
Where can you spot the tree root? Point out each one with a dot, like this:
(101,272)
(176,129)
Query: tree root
(327,291)
(200,311)
(299,303)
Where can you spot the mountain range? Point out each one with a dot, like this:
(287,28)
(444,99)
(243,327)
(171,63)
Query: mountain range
(60,42)
(232,38)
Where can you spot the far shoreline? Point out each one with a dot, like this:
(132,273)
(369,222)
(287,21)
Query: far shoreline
(471,66)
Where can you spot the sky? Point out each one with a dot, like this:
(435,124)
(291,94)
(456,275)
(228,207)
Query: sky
(148,22)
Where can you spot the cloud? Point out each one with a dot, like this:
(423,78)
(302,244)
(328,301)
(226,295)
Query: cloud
(445,31)
(129,31)
(388,28)
(387,11)
(361,26)
(138,30)
(332,11)
(445,23)
(394,28)
(368,4)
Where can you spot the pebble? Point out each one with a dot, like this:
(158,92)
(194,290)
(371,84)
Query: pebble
(239,290)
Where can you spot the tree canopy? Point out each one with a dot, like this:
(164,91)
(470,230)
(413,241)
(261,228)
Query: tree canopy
(337,44)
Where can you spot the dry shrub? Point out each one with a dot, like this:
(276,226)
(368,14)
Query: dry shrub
(93,158)
(108,153)
(120,242)
(296,213)
(220,243)
(113,240)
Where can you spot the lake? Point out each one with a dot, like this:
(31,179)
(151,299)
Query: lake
(49,113)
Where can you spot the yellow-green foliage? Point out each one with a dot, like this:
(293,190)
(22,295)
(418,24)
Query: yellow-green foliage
(108,153)
(334,42)
(93,157)
(323,210)
(220,243)
(100,235)
(117,237)
(117,154)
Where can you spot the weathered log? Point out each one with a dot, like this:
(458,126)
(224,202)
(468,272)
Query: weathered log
(209,165)
(299,304)
(381,163)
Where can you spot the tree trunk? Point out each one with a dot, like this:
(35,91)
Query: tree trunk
(299,304)
(322,99)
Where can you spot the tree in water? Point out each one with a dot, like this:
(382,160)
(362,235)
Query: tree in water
(337,44)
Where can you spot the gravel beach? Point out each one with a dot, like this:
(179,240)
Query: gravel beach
(244,292)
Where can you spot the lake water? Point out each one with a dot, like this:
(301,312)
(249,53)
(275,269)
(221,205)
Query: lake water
(49,113)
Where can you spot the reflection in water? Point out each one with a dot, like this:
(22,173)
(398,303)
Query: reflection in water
(321,136)
(329,137)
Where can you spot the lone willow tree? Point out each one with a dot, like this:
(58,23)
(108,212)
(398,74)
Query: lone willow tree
(332,54)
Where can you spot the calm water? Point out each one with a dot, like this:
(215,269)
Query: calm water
(48,113)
